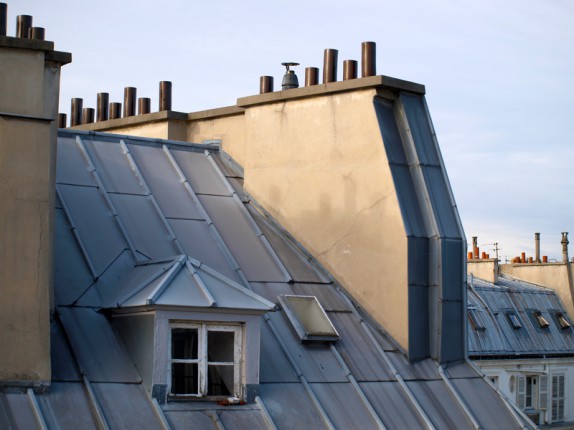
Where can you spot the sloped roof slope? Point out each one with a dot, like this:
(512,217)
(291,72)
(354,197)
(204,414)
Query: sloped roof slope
(135,219)
(492,304)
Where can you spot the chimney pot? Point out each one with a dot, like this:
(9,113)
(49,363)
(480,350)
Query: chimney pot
(76,112)
(265,84)
(545,259)
(368,59)
(115,110)
(470,255)
(102,108)
(523,257)
(62,120)
(349,70)
(144,104)
(23,24)
(88,115)
(564,243)
(330,65)
(537,247)
(38,33)
(311,76)
(129,101)
(474,246)
(164,95)
(3,18)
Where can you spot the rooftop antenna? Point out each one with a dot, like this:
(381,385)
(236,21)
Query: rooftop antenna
(289,78)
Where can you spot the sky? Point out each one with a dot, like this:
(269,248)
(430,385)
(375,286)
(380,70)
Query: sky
(499,78)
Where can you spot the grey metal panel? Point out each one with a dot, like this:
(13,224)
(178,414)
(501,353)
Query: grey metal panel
(392,405)
(485,404)
(201,173)
(358,351)
(126,406)
(317,363)
(437,402)
(144,226)
(274,366)
(185,420)
(16,412)
(424,369)
(164,182)
(62,359)
(96,226)
(237,232)
(113,167)
(460,370)
(66,406)
(439,195)
(100,353)
(390,132)
(289,407)
(72,166)
(420,130)
(242,419)
(294,261)
(71,274)
(272,290)
(198,242)
(343,406)
(328,296)
(408,201)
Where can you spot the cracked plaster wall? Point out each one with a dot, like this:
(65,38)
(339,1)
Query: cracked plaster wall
(29,86)
(318,165)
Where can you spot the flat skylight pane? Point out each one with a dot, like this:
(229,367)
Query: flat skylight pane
(309,318)
(564,324)
(514,320)
(542,322)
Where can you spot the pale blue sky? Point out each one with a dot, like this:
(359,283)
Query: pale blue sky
(499,79)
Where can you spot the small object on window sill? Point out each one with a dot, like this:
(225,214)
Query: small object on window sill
(231,401)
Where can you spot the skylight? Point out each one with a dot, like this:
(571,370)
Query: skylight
(514,320)
(564,324)
(542,322)
(309,319)
(475,319)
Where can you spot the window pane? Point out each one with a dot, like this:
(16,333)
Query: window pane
(184,343)
(220,346)
(184,378)
(219,380)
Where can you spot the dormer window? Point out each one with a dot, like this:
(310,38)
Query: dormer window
(514,320)
(205,360)
(562,321)
(542,322)
(475,319)
(309,319)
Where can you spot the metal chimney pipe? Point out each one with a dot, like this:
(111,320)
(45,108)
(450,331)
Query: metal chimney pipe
(102,107)
(88,115)
(537,247)
(330,65)
(368,59)
(144,104)
(62,120)
(115,110)
(474,247)
(164,95)
(311,76)
(3,18)
(23,24)
(564,243)
(265,84)
(76,112)
(349,70)
(129,101)
(38,33)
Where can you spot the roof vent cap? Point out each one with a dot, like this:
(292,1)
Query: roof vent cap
(289,78)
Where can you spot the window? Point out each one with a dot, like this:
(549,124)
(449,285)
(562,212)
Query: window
(205,360)
(558,398)
(475,319)
(532,392)
(562,321)
(542,322)
(514,320)
(309,319)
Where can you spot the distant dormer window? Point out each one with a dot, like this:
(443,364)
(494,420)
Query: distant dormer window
(205,360)
(309,319)
(562,321)
(475,319)
(542,322)
(514,320)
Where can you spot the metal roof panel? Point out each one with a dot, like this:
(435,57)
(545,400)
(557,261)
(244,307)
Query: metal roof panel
(58,402)
(202,174)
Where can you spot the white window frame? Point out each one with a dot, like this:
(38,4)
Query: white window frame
(202,358)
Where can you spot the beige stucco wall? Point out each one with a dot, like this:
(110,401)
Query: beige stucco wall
(557,276)
(318,165)
(483,269)
(174,130)
(28,102)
